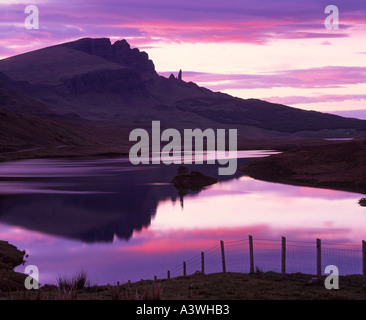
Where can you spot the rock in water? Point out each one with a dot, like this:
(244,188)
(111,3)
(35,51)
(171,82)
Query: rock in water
(193,181)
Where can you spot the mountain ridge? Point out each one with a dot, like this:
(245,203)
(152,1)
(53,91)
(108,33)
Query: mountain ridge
(99,84)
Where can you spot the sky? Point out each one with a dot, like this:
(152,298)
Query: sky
(279,51)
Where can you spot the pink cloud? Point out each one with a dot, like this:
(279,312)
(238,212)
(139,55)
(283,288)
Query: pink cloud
(191,21)
(322,77)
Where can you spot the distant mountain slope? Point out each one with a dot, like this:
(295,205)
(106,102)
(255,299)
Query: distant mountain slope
(100,81)
(266,115)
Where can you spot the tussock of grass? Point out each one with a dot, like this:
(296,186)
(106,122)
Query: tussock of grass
(78,282)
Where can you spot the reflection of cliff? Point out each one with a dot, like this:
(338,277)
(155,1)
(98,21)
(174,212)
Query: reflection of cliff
(90,218)
(113,207)
(116,205)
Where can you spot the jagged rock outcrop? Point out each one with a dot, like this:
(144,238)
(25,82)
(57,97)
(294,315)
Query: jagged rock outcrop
(120,52)
(134,58)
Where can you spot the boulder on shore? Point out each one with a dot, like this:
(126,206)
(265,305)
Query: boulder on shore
(11,257)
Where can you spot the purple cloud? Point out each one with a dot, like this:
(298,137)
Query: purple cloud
(214,21)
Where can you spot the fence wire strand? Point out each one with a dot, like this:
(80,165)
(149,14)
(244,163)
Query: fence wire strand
(300,258)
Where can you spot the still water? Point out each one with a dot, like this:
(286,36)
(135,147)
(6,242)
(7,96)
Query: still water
(120,222)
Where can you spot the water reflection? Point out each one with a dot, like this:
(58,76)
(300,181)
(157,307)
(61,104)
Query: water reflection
(91,201)
(72,215)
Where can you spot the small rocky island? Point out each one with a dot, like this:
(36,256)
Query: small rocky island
(194,181)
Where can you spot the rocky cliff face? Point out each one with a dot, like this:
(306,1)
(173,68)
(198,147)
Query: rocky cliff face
(122,81)
(120,52)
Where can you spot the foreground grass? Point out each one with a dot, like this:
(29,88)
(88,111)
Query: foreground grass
(229,286)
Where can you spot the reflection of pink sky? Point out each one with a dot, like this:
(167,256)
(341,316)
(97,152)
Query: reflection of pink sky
(279,207)
(227,211)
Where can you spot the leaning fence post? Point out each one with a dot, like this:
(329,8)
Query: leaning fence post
(202,262)
(318,259)
(251,255)
(283,257)
(364,263)
(184,268)
(223,257)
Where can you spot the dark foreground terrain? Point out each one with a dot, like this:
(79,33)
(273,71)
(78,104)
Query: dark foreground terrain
(228,286)
(199,286)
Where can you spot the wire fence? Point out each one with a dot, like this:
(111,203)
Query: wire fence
(283,257)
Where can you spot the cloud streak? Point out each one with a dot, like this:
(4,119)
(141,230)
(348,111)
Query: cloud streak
(322,77)
(291,100)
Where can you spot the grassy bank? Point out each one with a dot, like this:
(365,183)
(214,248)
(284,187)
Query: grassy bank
(339,166)
(229,286)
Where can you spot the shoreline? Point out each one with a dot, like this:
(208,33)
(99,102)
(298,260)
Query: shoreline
(117,150)
(339,166)
(336,164)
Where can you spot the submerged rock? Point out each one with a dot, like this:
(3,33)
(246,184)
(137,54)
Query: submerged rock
(191,181)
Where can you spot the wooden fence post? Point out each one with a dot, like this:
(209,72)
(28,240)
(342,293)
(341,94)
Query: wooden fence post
(319,259)
(168,274)
(202,262)
(251,255)
(223,257)
(155,278)
(283,257)
(184,268)
(364,263)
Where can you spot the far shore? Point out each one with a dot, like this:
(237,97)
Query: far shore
(320,163)
(338,166)
(122,150)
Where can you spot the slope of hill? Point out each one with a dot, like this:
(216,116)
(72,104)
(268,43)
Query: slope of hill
(29,136)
